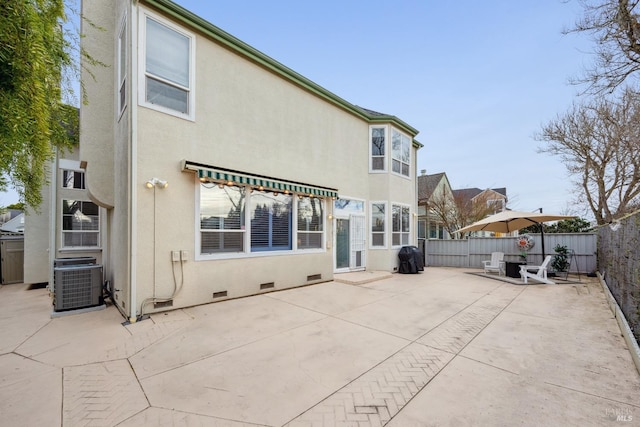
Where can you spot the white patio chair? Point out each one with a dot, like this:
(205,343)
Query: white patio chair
(536,272)
(496,263)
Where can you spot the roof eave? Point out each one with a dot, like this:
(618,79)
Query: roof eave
(241,48)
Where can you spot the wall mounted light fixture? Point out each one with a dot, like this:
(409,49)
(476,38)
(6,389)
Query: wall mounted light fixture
(157,183)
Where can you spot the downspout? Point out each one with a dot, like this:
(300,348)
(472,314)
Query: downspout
(133,167)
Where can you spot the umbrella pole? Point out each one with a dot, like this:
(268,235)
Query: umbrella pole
(542,238)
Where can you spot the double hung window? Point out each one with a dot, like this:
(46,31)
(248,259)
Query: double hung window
(401,153)
(378,224)
(80,224)
(401,225)
(168,81)
(377,147)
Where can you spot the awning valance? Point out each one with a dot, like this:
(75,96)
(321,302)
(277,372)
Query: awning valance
(213,173)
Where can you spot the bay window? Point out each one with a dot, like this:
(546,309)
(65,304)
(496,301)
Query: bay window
(377,148)
(401,153)
(378,224)
(401,225)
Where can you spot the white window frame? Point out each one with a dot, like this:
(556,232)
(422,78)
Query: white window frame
(247,253)
(401,233)
(122,68)
(63,232)
(142,74)
(323,226)
(393,158)
(384,233)
(385,160)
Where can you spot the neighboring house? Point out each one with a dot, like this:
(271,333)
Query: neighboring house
(66,225)
(14,225)
(8,214)
(433,190)
(223,173)
(487,202)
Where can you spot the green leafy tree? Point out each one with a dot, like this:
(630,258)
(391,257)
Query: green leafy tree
(571,225)
(34,54)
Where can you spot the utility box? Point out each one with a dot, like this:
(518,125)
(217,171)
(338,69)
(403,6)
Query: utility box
(77,283)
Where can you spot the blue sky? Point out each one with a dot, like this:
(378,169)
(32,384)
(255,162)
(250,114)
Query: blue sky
(478,79)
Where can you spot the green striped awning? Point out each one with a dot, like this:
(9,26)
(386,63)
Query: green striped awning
(213,173)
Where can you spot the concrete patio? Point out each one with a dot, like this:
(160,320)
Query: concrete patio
(443,347)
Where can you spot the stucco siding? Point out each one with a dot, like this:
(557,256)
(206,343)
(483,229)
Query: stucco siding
(96,117)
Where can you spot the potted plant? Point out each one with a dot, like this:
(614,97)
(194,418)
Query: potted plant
(560,262)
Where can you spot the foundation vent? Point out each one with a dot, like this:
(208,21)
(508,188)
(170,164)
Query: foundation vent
(162,304)
(220,294)
(268,285)
(314,277)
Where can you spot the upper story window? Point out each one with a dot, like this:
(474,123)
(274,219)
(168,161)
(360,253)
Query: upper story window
(122,67)
(400,153)
(167,81)
(378,148)
(73,179)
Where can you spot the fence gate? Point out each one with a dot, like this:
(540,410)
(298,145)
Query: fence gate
(11,259)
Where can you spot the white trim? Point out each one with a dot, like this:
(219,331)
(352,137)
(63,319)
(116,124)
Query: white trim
(63,232)
(71,165)
(247,232)
(386,149)
(411,162)
(386,225)
(409,240)
(142,70)
(133,178)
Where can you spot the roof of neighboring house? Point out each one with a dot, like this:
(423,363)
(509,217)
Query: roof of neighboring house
(427,184)
(209,30)
(14,225)
(470,193)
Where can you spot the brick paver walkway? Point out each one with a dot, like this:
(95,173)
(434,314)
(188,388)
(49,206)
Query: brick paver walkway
(379,394)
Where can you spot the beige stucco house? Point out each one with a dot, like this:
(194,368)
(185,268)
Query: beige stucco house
(222,173)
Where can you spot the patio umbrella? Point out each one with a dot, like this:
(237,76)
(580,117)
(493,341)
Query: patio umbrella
(508,221)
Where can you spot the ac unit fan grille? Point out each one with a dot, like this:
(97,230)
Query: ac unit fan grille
(77,286)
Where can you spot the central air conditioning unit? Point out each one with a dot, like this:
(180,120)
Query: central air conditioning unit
(77,283)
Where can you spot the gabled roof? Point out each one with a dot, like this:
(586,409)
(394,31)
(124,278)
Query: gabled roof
(471,193)
(14,225)
(428,183)
(252,54)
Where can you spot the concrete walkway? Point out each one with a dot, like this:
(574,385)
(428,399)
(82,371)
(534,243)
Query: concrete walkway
(439,348)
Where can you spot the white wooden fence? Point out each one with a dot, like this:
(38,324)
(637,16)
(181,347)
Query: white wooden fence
(471,252)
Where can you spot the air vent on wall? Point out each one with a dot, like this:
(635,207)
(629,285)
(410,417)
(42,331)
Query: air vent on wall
(162,304)
(314,277)
(268,285)
(220,294)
